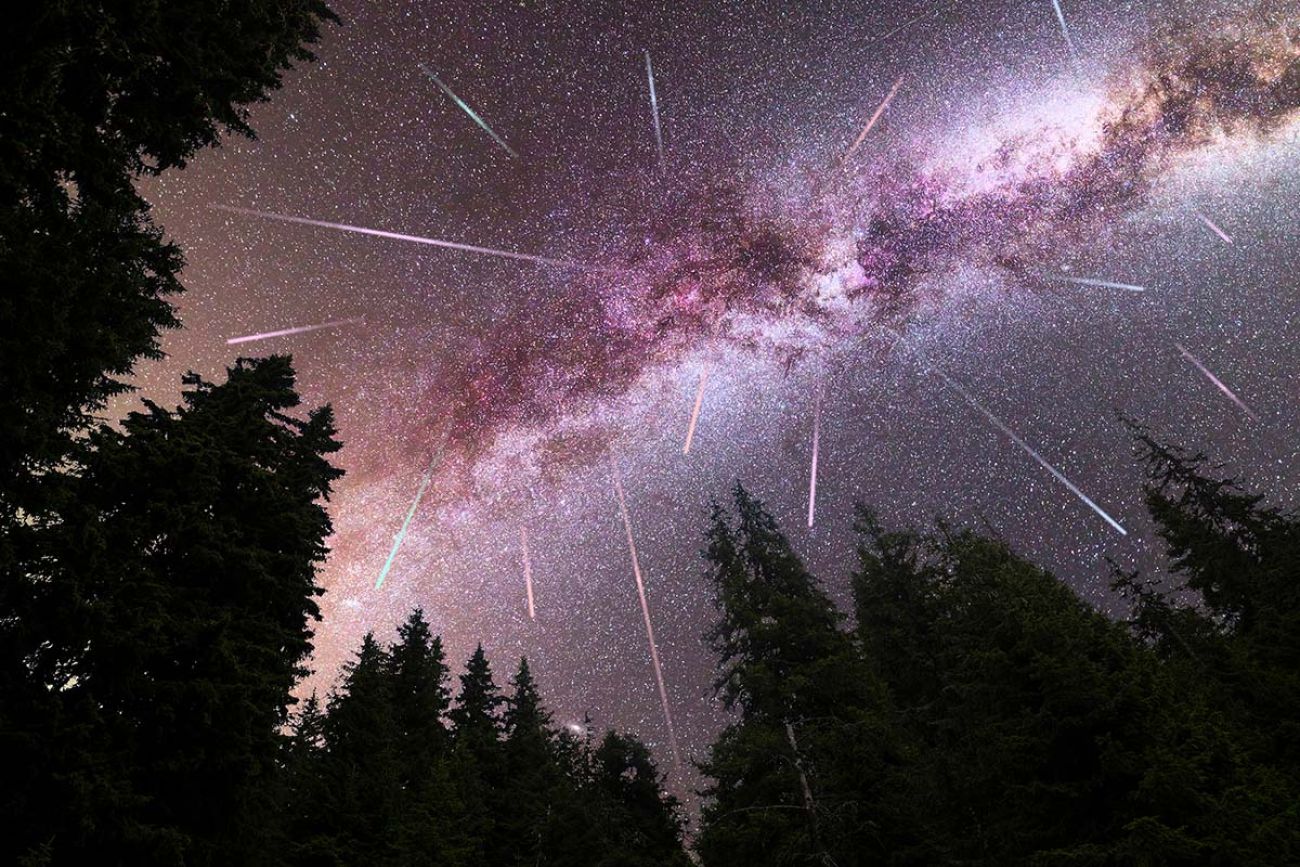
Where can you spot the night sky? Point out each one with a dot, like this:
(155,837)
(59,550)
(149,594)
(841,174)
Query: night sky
(919,288)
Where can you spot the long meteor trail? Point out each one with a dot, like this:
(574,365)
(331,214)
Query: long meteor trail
(469,111)
(528,572)
(1065,31)
(1106,284)
(695,412)
(880,109)
(645,613)
(654,109)
(406,524)
(1218,383)
(301,329)
(397,236)
(1011,435)
(816,444)
(1227,239)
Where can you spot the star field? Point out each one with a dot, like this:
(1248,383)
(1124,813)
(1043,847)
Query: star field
(757,253)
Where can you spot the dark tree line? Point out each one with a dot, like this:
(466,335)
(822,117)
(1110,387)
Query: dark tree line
(391,771)
(980,713)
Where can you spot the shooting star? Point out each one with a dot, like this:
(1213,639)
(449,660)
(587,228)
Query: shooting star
(528,572)
(695,413)
(406,524)
(816,443)
(301,329)
(1218,383)
(645,613)
(414,239)
(1227,239)
(1106,284)
(1011,435)
(654,109)
(469,111)
(880,109)
(1065,31)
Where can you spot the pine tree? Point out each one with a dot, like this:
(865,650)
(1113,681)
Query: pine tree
(186,584)
(478,765)
(531,771)
(644,825)
(363,767)
(428,816)
(795,776)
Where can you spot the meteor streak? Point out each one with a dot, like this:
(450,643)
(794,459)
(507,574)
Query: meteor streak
(1087,281)
(419,495)
(1227,239)
(645,613)
(414,239)
(1065,31)
(816,441)
(1217,382)
(695,413)
(298,330)
(880,109)
(1011,435)
(528,572)
(654,108)
(469,111)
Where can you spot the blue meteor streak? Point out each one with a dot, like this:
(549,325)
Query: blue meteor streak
(401,534)
(469,111)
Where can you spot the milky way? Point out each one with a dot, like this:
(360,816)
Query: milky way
(1035,224)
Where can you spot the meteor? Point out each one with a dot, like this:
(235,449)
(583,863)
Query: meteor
(1087,281)
(301,329)
(695,413)
(528,572)
(880,109)
(406,524)
(816,441)
(414,239)
(645,613)
(1241,404)
(1011,435)
(654,109)
(469,111)
(1227,239)
(1065,31)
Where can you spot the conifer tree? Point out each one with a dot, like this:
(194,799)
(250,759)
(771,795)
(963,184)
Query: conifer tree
(478,764)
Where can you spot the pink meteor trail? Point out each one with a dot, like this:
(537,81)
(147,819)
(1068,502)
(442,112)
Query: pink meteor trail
(875,117)
(816,442)
(414,239)
(301,329)
(1218,383)
(695,413)
(1227,239)
(528,572)
(645,613)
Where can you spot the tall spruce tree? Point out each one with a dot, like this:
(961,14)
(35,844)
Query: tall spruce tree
(478,763)
(531,771)
(186,578)
(643,823)
(796,776)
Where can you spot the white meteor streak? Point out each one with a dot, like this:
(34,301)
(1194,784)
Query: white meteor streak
(654,108)
(469,111)
(1106,284)
(1011,435)
(396,236)
(695,413)
(528,572)
(301,329)
(880,109)
(816,443)
(645,613)
(1218,383)
(1227,239)
(1065,31)
(406,524)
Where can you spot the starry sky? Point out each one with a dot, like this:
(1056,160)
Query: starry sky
(923,299)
